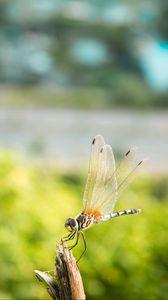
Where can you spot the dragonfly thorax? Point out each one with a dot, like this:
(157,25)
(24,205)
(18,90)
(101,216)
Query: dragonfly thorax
(84,221)
(79,223)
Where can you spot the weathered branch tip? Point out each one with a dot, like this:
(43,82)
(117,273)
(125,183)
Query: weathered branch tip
(67,283)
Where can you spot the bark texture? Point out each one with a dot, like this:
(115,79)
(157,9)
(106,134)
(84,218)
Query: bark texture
(67,284)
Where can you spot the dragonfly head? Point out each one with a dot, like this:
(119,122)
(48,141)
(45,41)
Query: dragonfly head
(71,224)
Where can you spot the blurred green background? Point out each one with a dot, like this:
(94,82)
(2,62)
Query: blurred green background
(68,71)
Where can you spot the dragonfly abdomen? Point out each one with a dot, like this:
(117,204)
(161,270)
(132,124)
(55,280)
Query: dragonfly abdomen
(121,213)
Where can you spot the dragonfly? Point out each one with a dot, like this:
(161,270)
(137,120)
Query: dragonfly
(104,184)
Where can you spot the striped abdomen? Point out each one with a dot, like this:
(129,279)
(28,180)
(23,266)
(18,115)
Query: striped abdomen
(121,213)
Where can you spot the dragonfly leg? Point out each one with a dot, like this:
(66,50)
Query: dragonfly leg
(69,236)
(84,241)
(77,239)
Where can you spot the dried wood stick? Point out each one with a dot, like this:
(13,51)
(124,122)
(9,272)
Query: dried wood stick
(68,282)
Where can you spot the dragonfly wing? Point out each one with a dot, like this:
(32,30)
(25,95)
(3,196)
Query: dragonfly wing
(105,180)
(120,178)
(97,144)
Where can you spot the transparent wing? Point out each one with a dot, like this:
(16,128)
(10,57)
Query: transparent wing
(121,177)
(97,144)
(106,180)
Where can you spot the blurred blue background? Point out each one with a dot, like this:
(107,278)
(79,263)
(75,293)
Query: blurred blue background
(68,71)
(84,43)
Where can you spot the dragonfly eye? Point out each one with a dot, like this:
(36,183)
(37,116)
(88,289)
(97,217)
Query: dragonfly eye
(71,224)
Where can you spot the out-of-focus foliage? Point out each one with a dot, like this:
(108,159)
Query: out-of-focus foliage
(133,94)
(118,48)
(126,258)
